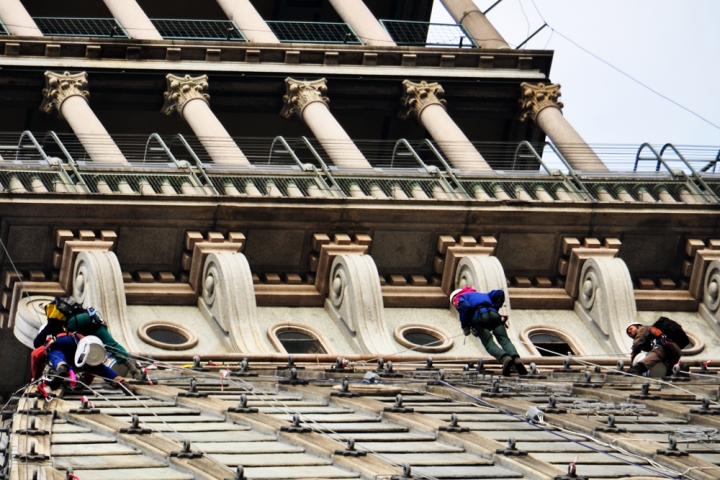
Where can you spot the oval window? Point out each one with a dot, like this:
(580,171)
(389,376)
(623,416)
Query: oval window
(423,338)
(167,335)
(549,345)
(298,342)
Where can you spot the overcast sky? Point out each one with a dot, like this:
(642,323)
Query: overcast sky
(670,45)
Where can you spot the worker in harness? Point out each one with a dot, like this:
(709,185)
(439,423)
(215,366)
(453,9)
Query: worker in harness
(65,315)
(648,338)
(479,315)
(74,353)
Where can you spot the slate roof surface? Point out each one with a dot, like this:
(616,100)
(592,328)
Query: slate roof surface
(610,434)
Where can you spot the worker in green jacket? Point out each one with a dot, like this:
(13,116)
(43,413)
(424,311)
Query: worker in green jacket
(66,315)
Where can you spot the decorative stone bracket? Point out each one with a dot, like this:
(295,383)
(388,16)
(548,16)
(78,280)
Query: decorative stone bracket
(452,251)
(355,303)
(199,247)
(606,299)
(228,299)
(325,251)
(576,253)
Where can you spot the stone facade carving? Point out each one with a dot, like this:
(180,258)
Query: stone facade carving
(181,90)
(29,318)
(537,97)
(228,298)
(483,273)
(61,86)
(417,96)
(710,306)
(299,94)
(606,300)
(98,283)
(356,304)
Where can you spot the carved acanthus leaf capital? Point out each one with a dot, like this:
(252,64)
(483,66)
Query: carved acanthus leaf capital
(417,96)
(299,94)
(537,97)
(181,90)
(61,86)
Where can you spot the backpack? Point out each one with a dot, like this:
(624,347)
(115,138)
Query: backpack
(68,306)
(673,331)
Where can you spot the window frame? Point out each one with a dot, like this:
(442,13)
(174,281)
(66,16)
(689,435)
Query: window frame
(313,332)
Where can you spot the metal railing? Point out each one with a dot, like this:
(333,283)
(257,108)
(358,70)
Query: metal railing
(80,27)
(314,32)
(186,29)
(300,167)
(425,34)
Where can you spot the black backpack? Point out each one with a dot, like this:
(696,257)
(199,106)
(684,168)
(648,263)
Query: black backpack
(673,331)
(68,306)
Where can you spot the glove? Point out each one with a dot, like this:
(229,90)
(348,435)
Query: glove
(133,370)
(466,331)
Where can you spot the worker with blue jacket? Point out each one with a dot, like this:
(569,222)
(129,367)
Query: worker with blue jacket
(479,315)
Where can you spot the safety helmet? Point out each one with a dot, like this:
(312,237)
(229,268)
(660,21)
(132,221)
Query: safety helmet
(453,294)
(627,329)
(90,351)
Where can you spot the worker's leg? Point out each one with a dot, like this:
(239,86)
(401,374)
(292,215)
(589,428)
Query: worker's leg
(501,336)
(486,337)
(654,356)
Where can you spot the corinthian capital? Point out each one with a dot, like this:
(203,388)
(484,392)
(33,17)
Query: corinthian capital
(181,90)
(417,96)
(61,86)
(299,94)
(536,97)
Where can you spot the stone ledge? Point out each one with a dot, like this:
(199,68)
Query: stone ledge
(540,298)
(288,296)
(672,300)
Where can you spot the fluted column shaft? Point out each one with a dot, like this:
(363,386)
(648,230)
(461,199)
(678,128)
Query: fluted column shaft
(17,20)
(540,102)
(422,100)
(66,95)
(243,13)
(467,14)
(186,97)
(133,19)
(361,19)
(307,100)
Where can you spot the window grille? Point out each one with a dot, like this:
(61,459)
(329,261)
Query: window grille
(314,32)
(184,29)
(423,34)
(80,27)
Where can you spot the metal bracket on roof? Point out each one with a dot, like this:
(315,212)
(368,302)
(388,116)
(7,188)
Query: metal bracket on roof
(398,406)
(620,369)
(406,474)
(532,372)
(186,452)
(495,391)
(197,365)
(86,408)
(672,450)
(33,456)
(192,391)
(239,474)
(340,365)
(587,383)
(705,408)
(680,373)
(610,427)
(32,430)
(511,450)
(552,407)
(453,426)
(290,364)
(350,451)
(295,427)
(35,410)
(344,390)
(134,428)
(428,366)
(644,393)
(243,407)
(440,380)
(388,371)
(243,371)
(294,379)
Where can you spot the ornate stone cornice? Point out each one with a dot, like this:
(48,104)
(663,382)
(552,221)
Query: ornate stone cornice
(181,90)
(536,97)
(417,96)
(61,86)
(299,94)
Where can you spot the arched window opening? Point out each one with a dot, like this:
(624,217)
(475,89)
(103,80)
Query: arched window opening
(298,342)
(549,345)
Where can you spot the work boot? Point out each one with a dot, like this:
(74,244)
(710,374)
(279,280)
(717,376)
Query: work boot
(507,365)
(519,366)
(133,370)
(638,369)
(60,375)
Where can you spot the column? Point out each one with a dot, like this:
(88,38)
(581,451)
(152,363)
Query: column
(540,102)
(66,95)
(356,14)
(133,19)
(307,100)
(186,98)
(248,20)
(421,101)
(17,20)
(467,14)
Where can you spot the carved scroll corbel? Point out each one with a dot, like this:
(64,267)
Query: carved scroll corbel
(483,273)
(710,306)
(355,303)
(228,298)
(606,300)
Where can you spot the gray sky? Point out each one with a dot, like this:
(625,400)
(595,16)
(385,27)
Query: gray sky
(670,45)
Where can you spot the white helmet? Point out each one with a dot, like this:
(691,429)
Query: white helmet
(636,324)
(455,292)
(90,351)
